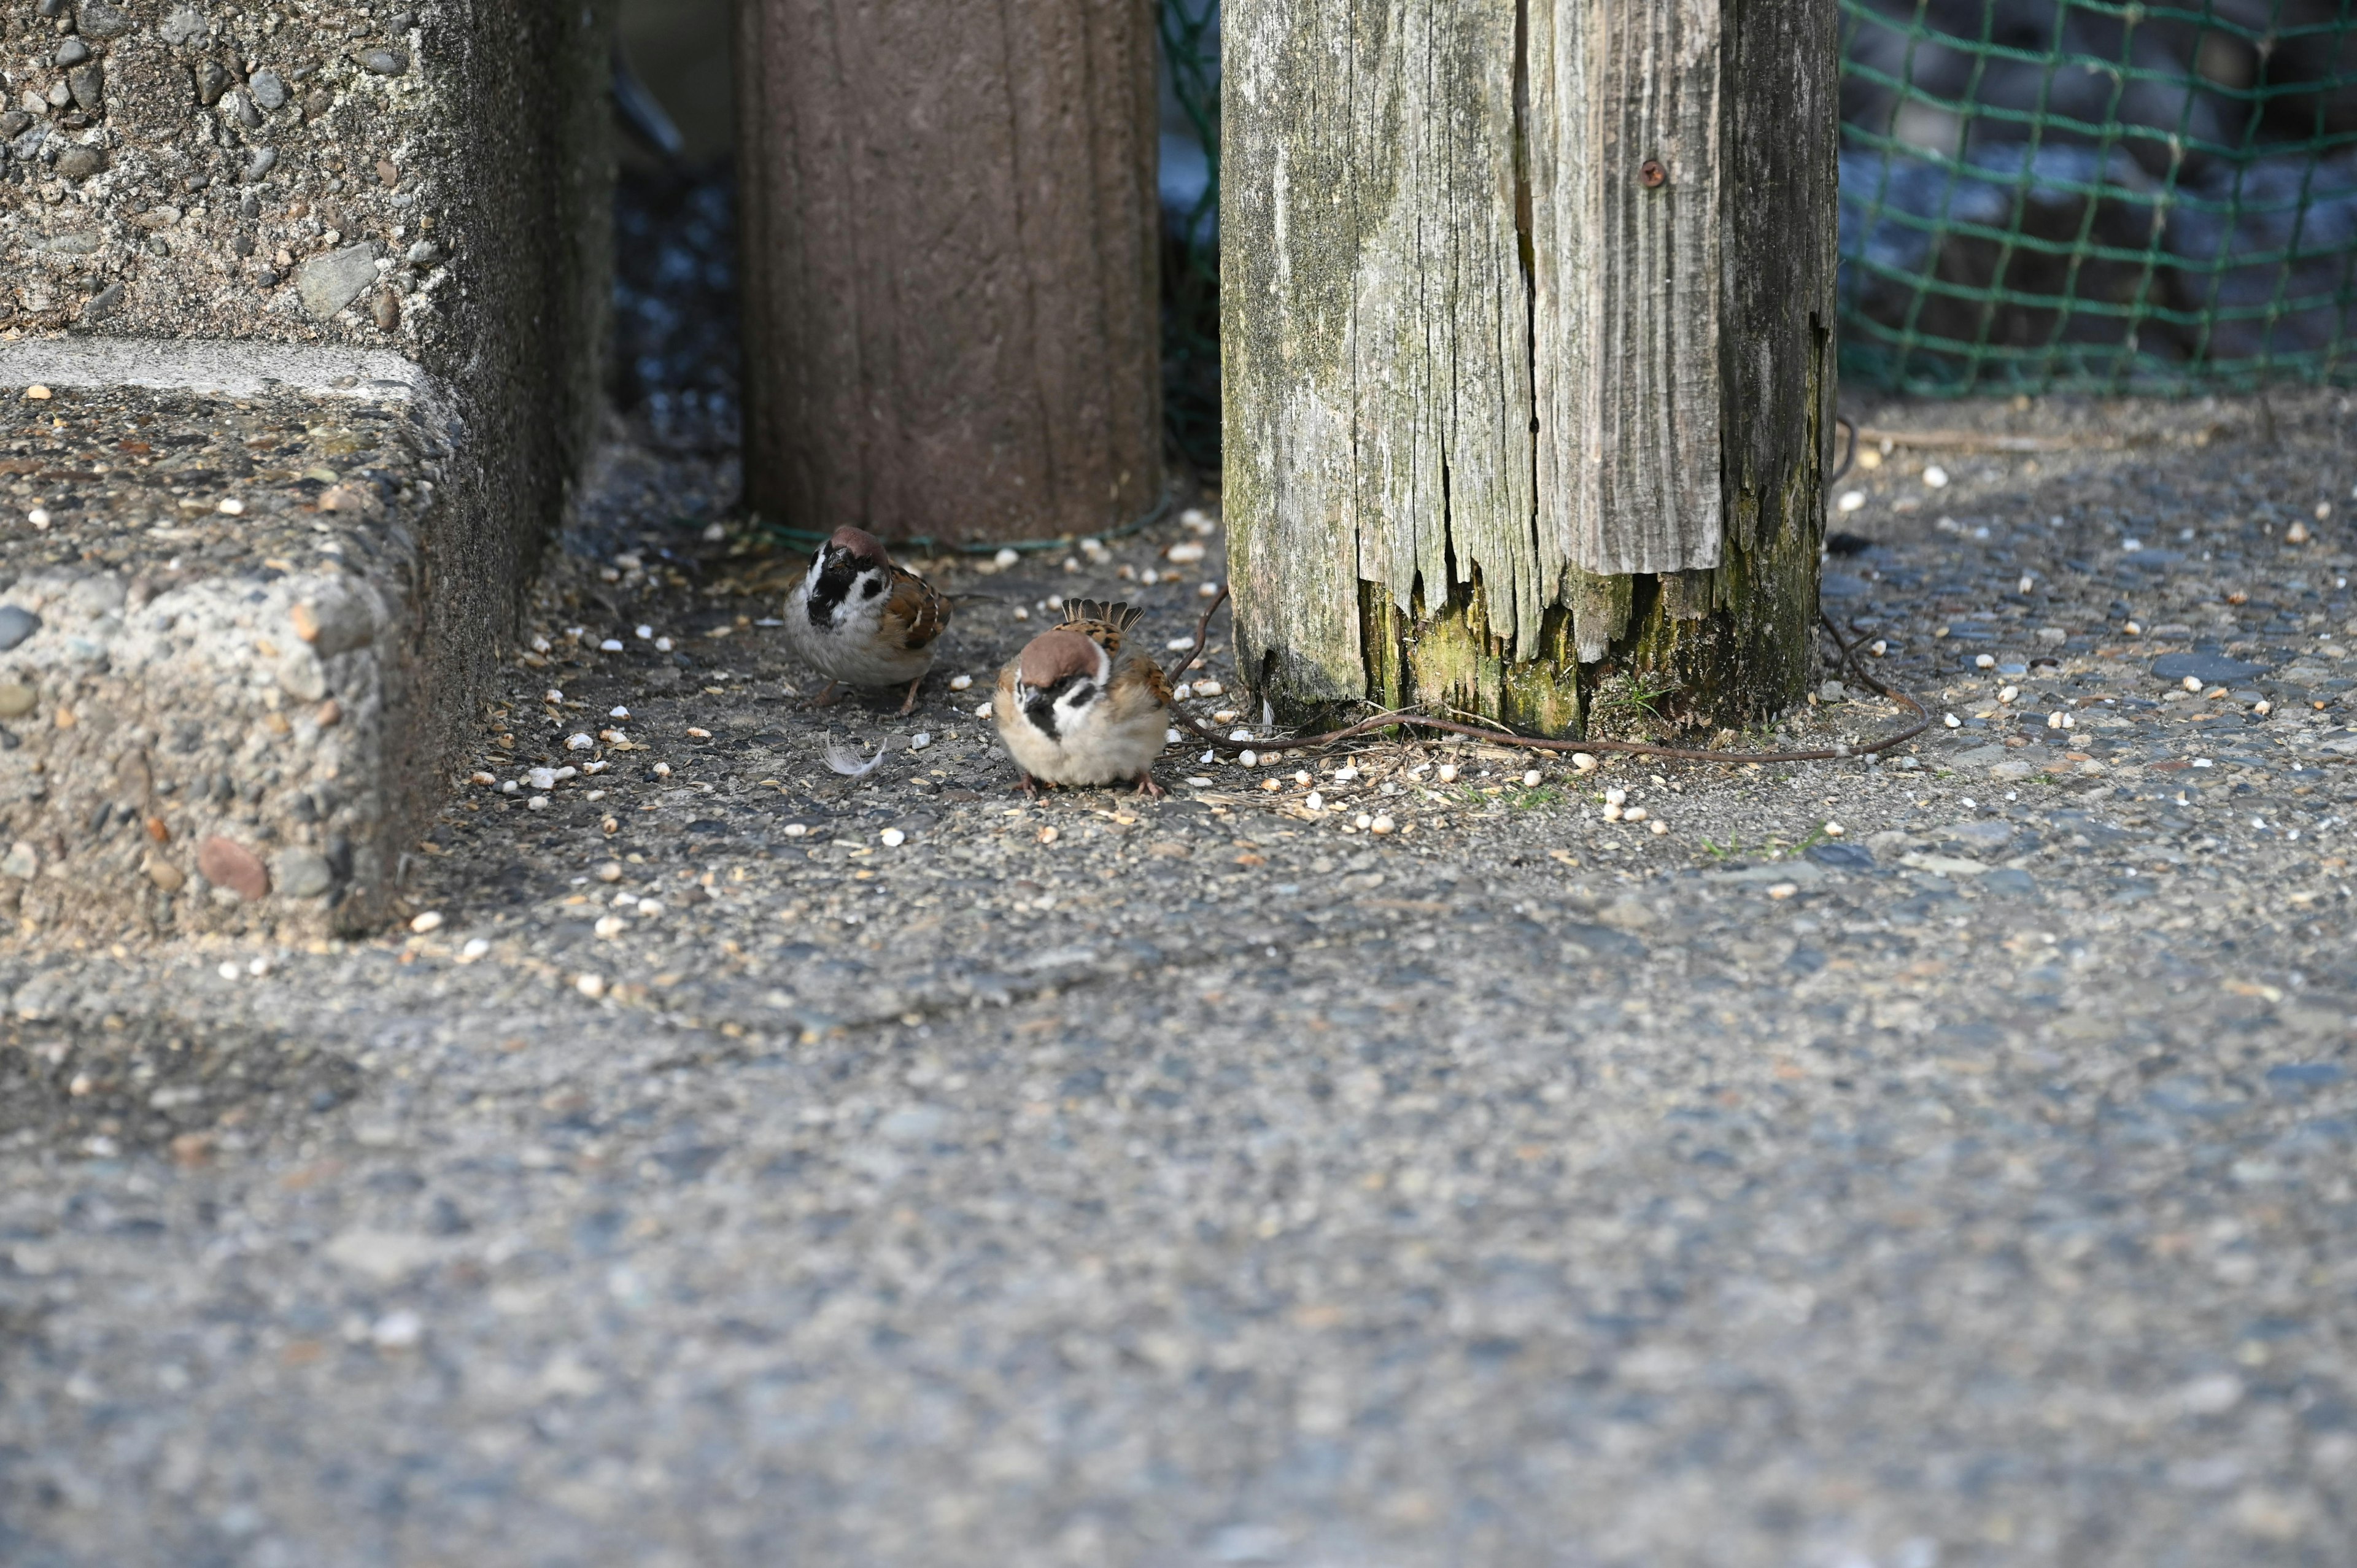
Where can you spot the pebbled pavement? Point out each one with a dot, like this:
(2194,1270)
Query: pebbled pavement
(1205,1184)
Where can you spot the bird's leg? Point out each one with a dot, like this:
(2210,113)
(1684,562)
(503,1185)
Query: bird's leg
(825,697)
(909,703)
(1029,785)
(1149,787)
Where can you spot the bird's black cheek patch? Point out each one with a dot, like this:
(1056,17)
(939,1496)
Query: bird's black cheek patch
(1041,711)
(870,588)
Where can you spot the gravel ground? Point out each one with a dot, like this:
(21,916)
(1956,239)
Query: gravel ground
(755,1165)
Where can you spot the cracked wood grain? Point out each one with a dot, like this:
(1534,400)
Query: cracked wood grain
(1520,299)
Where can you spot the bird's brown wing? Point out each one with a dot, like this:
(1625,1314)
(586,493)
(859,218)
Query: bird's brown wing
(1139,684)
(917,612)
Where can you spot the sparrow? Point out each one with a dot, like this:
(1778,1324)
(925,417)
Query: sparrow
(855,618)
(1080,706)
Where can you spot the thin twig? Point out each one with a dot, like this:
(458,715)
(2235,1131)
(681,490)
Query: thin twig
(1410,717)
(1202,630)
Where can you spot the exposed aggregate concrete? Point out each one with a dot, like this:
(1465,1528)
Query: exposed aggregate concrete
(1203,1182)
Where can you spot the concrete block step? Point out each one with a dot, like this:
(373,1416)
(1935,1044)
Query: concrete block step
(235,632)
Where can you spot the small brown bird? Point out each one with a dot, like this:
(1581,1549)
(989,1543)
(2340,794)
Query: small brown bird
(857,618)
(1080,706)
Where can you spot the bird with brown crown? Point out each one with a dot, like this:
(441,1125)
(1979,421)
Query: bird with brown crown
(859,620)
(1080,705)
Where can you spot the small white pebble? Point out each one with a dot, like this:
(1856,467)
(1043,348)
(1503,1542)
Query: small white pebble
(960,682)
(1834,830)
(1851,500)
(662,645)
(1446,773)
(1248,759)
(1149,576)
(794,830)
(1049,835)
(228,970)
(1661,827)
(662,769)
(2054,720)
(551,694)
(649,908)
(513,787)
(1004,559)
(1531,778)
(921,740)
(1208,591)
(1984,660)
(597,767)
(1199,783)
(611,645)
(1208,689)
(231,507)
(480,778)
(983,712)
(536,803)
(2009,693)
(892,838)
(1316,801)
(1344,774)
(1301,777)
(1611,812)
(1171,736)
(1363,821)
(1381,825)
(618,712)
(1784,890)
(1179,644)
(258,968)
(2028,582)
(430,920)
(543,778)
(1633,814)
(592,987)
(1952,722)
(2263,706)
(1616,797)
(610,872)
(2132,629)
(476,947)
(1878,647)
(610,926)
(594,795)
(2193,682)
(1021,613)
(398,1330)
(1181,692)
(1582,762)
(39,517)
(1272,785)
(1185,552)
(1936,477)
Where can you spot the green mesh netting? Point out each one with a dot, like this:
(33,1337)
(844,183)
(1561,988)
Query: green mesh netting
(2036,196)
(2093,196)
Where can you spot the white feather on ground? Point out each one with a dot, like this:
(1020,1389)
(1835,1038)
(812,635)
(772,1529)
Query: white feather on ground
(845,759)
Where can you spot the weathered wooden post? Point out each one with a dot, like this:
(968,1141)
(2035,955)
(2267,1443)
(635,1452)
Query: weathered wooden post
(949,237)
(1527,339)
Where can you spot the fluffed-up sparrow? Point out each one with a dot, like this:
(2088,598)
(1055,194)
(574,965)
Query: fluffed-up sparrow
(858,619)
(1081,705)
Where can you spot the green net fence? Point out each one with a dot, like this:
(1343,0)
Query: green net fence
(2091,196)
